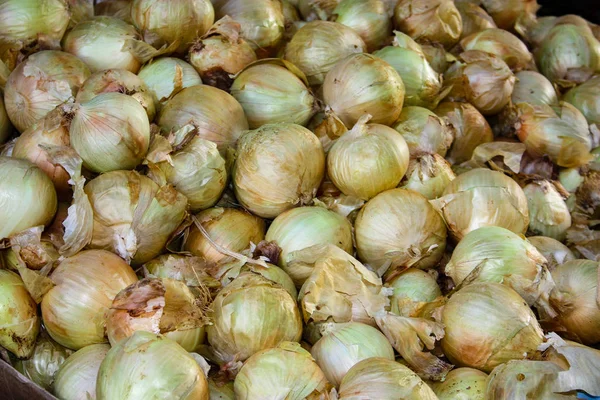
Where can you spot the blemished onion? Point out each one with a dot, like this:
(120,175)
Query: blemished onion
(548,212)
(270,92)
(120,9)
(252,314)
(261,21)
(167,76)
(481,79)
(286,371)
(110,132)
(474,18)
(367,160)
(350,92)
(76,378)
(533,88)
(502,44)
(319,45)
(126,207)
(575,299)
(398,229)
(487,324)
(553,251)
(344,345)
(470,130)
(229,228)
(138,368)
(506,12)
(424,131)
(216,115)
(384,379)
(118,81)
(165,22)
(278,167)
(86,284)
(29,197)
(410,287)
(585,97)
(312,10)
(303,227)
(462,383)
(368,18)
(428,175)
(40,83)
(19,320)
(482,197)
(436,21)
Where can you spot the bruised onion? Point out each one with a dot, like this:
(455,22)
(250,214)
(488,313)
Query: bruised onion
(501,43)
(533,88)
(167,76)
(585,97)
(548,212)
(435,21)
(424,132)
(429,175)
(368,18)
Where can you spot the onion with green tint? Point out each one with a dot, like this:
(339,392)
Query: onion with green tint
(167,76)
(549,215)
(424,131)
(410,287)
(76,378)
(587,100)
(462,383)
(501,43)
(429,175)
(533,88)
(367,17)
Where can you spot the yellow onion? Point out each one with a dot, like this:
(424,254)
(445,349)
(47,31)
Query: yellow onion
(560,132)
(481,79)
(191,270)
(249,315)
(368,18)
(104,43)
(344,345)
(278,167)
(587,100)
(312,10)
(470,130)
(167,76)
(553,251)
(40,83)
(138,368)
(76,378)
(80,10)
(474,18)
(569,53)
(367,160)
(398,229)
(350,91)
(424,131)
(435,21)
(428,175)
(220,53)
(506,12)
(286,371)
(534,29)
(437,56)
(29,197)
(228,271)
(533,88)
(261,21)
(74,311)
(230,228)
(482,197)
(548,212)
(19,320)
(270,92)
(168,22)
(487,324)
(118,81)
(303,227)
(6,128)
(502,44)
(411,289)
(215,114)
(383,379)
(575,299)
(220,390)
(126,207)
(114,8)
(319,45)
(463,384)
(110,132)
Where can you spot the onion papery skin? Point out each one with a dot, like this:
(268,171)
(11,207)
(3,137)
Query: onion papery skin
(167,76)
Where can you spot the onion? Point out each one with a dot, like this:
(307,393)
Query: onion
(553,251)
(167,76)
(19,321)
(319,45)
(410,287)
(549,215)
(462,383)
(488,324)
(312,10)
(81,10)
(437,57)
(278,167)
(344,345)
(585,98)
(188,269)
(168,22)
(303,227)
(40,83)
(6,128)
(424,132)
(367,160)
(505,13)
(271,93)
(137,368)
(398,229)
(28,196)
(76,378)
(215,114)
(350,91)
(126,207)
(228,271)
(481,197)
(502,44)
(368,18)
(220,390)
(232,229)
(120,9)
(286,371)
(428,175)
(86,283)
(435,21)
(533,88)
(474,18)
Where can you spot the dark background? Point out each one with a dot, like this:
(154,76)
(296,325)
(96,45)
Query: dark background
(588,9)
